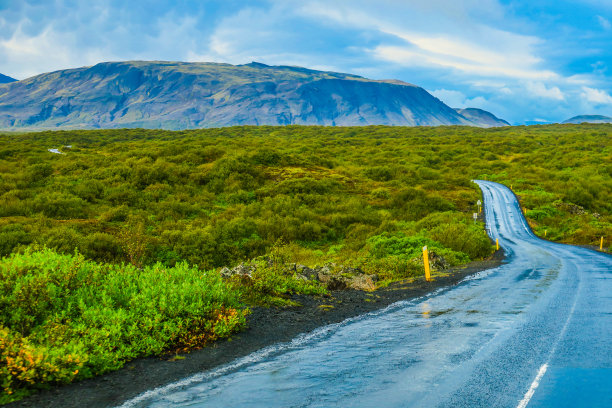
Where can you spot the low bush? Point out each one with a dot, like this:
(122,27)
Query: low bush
(64,318)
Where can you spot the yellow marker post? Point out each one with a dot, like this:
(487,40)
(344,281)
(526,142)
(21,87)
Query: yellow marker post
(497,243)
(601,244)
(426,264)
(545,231)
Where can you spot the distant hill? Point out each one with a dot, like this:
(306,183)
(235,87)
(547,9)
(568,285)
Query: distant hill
(481,118)
(179,95)
(6,79)
(589,119)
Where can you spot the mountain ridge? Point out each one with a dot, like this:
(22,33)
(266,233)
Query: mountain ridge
(4,79)
(588,119)
(183,95)
(481,117)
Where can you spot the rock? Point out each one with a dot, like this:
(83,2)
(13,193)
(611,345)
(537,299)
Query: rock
(332,276)
(437,261)
(303,271)
(323,277)
(345,278)
(363,282)
(351,271)
(324,273)
(226,272)
(571,208)
(242,270)
(575,209)
(337,282)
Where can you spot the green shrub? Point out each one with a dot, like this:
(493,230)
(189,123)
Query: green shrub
(64,318)
(101,246)
(379,173)
(12,236)
(458,233)
(59,205)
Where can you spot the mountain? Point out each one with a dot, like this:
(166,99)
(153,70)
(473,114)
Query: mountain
(481,117)
(180,95)
(6,79)
(589,119)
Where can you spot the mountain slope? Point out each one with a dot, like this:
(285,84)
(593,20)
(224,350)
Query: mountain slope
(178,95)
(6,79)
(481,117)
(589,119)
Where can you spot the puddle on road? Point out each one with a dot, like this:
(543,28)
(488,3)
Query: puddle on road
(427,313)
(510,312)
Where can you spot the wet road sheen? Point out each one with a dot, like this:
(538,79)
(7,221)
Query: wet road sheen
(536,331)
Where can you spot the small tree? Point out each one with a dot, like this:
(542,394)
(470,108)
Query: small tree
(134,242)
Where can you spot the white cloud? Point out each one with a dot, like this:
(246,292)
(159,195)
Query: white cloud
(454,99)
(487,83)
(599,67)
(578,79)
(496,67)
(596,96)
(540,90)
(49,49)
(604,23)
(255,34)
(457,99)
(479,102)
(456,42)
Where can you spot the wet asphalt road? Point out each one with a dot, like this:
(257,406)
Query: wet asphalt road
(536,331)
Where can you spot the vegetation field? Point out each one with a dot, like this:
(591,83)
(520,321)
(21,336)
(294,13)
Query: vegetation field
(113,248)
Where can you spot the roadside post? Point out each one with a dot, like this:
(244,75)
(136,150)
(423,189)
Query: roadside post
(601,244)
(479,203)
(475,216)
(426,264)
(497,243)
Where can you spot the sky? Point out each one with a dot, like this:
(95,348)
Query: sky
(525,61)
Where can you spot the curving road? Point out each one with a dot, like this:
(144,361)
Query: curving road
(536,331)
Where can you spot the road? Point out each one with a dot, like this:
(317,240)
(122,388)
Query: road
(536,331)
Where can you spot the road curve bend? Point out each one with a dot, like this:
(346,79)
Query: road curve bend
(536,331)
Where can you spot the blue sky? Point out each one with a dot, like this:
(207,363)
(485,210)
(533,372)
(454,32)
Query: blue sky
(525,61)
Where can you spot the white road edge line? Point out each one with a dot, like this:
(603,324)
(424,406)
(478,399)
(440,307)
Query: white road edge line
(542,370)
(534,385)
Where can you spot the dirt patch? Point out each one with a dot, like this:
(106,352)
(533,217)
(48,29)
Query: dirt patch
(266,327)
